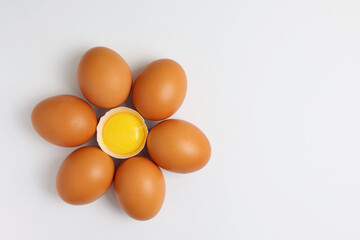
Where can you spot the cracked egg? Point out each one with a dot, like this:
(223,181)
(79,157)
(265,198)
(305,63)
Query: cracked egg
(122,132)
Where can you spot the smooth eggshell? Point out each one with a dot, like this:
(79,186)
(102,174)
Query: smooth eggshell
(178,146)
(85,175)
(104,77)
(64,120)
(140,188)
(160,89)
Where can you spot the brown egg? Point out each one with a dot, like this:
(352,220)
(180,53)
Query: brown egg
(160,89)
(104,77)
(178,146)
(64,120)
(140,188)
(85,175)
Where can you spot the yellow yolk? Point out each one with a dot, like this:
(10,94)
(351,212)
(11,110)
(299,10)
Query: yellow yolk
(124,133)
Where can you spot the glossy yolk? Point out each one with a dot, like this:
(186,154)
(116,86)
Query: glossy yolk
(124,133)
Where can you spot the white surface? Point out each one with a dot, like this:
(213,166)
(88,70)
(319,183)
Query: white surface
(274,84)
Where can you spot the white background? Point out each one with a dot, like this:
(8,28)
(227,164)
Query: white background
(274,84)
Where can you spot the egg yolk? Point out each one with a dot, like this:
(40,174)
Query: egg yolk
(124,133)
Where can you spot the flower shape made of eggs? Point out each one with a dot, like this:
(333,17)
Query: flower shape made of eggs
(86,174)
